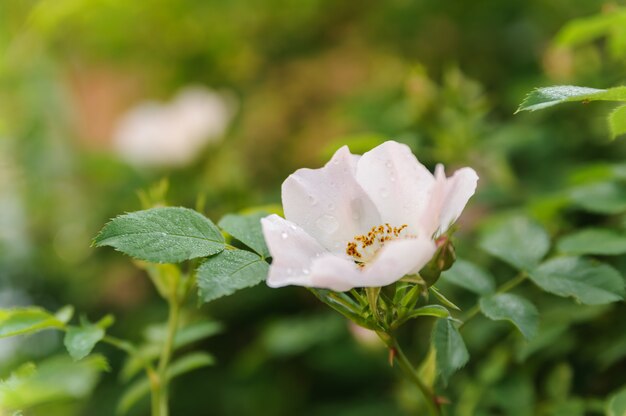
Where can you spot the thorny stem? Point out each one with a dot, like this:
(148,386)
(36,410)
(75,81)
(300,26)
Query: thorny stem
(511,284)
(429,396)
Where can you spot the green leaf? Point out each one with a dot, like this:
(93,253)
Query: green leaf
(80,340)
(596,241)
(297,334)
(247,229)
(587,29)
(345,305)
(162,235)
(141,388)
(617,121)
(441,298)
(515,309)
(28,320)
(451,351)
(184,336)
(65,313)
(616,404)
(195,332)
(471,277)
(189,362)
(602,197)
(430,310)
(135,392)
(549,96)
(54,379)
(591,283)
(518,241)
(228,272)
(165,278)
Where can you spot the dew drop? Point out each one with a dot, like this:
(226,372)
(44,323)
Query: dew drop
(327,223)
(306,271)
(284,235)
(384,192)
(388,164)
(392,178)
(331,206)
(312,200)
(289,271)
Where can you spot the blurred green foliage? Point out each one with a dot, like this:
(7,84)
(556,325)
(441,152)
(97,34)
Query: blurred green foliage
(310,76)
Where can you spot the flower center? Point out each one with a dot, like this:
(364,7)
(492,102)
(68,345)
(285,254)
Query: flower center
(364,247)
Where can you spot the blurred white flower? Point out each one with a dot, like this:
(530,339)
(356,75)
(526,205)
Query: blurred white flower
(173,134)
(362,221)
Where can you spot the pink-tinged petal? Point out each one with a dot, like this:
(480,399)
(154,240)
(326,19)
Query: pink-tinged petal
(395,260)
(328,203)
(430,217)
(399,185)
(458,190)
(292,250)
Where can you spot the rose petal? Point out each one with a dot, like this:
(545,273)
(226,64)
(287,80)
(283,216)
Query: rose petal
(292,250)
(394,260)
(328,203)
(399,185)
(335,273)
(398,258)
(458,190)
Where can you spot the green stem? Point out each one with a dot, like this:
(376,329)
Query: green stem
(130,349)
(429,396)
(521,276)
(160,397)
(153,378)
(511,284)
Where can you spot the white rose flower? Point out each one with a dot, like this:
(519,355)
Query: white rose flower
(362,221)
(172,134)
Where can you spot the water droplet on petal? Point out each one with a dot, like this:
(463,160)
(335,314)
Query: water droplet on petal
(389,164)
(331,206)
(289,271)
(284,235)
(293,227)
(392,178)
(327,223)
(312,200)
(306,271)
(384,192)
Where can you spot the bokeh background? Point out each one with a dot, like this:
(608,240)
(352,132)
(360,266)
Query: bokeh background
(101,99)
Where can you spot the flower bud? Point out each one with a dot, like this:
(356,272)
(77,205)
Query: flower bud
(444,258)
